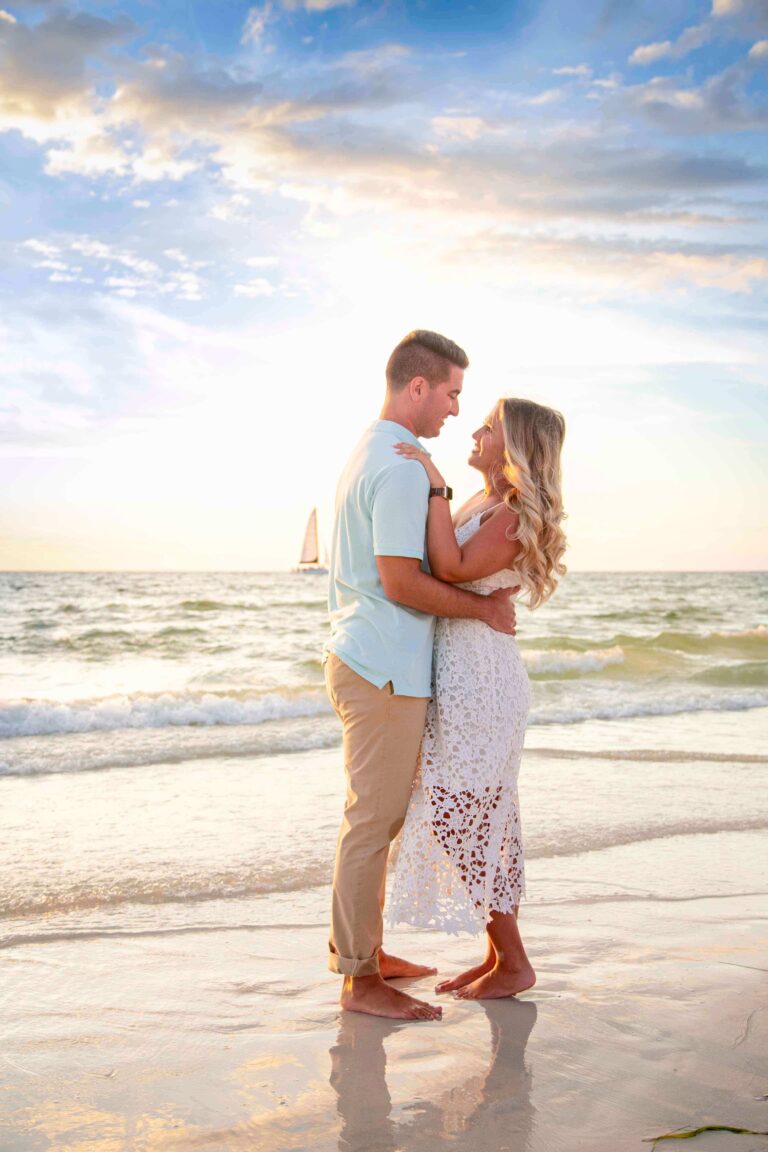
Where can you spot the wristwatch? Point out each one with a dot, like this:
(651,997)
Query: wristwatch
(446,492)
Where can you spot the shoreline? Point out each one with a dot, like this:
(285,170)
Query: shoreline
(650,1013)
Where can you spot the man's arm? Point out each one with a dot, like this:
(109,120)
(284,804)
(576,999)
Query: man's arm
(404,581)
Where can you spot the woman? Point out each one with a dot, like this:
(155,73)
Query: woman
(460,865)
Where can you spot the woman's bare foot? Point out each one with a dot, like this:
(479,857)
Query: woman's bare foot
(467,977)
(392,967)
(371,995)
(499,982)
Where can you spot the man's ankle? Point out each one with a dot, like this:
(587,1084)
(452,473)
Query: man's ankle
(361,983)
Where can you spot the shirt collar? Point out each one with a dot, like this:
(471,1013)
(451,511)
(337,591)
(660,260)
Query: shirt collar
(401,432)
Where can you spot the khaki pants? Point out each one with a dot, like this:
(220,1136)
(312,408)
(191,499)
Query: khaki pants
(382,734)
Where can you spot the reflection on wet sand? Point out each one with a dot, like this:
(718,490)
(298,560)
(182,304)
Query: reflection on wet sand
(485,1111)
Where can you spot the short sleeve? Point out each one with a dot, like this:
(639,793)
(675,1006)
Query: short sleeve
(399,511)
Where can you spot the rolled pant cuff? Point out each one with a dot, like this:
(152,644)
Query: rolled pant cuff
(346,966)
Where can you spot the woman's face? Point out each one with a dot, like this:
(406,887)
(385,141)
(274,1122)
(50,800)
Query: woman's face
(488,452)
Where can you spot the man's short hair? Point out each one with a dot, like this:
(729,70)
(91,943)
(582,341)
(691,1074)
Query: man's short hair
(423,353)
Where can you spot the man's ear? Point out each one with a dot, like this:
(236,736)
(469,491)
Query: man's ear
(417,387)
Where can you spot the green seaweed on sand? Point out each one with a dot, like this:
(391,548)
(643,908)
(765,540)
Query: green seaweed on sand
(689,1133)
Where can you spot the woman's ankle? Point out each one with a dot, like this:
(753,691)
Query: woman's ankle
(512,962)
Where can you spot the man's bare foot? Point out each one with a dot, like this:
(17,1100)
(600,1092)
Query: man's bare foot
(392,967)
(371,995)
(497,983)
(466,977)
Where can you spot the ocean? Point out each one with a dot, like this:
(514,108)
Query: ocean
(168,755)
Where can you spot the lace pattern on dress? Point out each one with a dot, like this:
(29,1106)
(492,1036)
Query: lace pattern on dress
(460,852)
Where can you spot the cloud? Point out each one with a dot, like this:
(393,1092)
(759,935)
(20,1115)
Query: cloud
(169,93)
(607,83)
(461,127)
(256,23)
(373,61)
(722,103)
(688,41)
(573,70)
(258,18)
(183,258)
(256,287)
(86,260)
(41,247)
(311,147)
(746,13)
(619,265)
(82,373)
(756,9)
(45,67)
(344,169)
(727,17)
(549,96)
(650,53)
(759,51)
(317,5)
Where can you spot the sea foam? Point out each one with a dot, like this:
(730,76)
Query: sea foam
(181,709)
(196,710)
(539,662)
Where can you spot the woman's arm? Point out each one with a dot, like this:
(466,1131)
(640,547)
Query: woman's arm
(488,550)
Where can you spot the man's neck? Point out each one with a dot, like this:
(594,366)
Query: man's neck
(391,412)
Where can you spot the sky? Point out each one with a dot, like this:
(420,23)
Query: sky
(217,219)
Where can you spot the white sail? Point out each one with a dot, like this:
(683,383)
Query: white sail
(309,551)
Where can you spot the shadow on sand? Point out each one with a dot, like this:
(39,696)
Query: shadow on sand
(486,1111)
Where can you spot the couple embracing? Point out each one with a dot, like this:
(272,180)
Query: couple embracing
(424,673)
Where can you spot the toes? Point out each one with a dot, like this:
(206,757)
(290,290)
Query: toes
(447,986)
(423,1012)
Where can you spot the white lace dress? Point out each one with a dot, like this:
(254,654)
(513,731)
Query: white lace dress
(461,853)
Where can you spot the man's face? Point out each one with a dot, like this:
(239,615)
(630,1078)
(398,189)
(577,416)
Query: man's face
(439,403)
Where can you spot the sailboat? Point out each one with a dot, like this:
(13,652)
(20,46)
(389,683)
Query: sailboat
(310,552)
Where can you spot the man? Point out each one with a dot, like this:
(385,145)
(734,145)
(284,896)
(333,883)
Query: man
(383,603)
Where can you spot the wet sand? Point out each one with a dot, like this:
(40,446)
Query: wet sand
(649,1014)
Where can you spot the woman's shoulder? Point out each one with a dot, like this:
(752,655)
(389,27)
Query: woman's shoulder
(501,514)
(468,509)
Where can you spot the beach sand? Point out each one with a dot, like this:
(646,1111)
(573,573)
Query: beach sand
(649,1014)
(170,793)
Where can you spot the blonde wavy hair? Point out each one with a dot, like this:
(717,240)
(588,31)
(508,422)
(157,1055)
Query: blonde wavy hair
(533,440)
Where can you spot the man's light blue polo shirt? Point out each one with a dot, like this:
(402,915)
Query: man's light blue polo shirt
(381,510)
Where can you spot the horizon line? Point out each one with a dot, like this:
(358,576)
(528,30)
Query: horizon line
(289,572)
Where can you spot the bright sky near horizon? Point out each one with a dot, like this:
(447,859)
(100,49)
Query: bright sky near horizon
(219,218)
